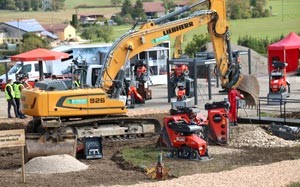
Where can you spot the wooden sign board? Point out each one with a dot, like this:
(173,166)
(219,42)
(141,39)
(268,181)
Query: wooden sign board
(12,138)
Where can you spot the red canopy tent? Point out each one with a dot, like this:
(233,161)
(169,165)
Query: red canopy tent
(39,55)
(285,50)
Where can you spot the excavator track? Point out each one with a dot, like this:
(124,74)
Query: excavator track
(53,136)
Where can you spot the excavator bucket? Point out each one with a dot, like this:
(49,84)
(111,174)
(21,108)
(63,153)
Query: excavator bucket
(249,87)
(35,147)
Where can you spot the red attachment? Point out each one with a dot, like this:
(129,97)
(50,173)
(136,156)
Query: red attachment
(133,91)
(180,139)
(218,125)
(278,81)
(181,70)
(180,94)
(141,70)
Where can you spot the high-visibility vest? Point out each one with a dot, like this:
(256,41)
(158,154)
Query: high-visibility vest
(17,90)
(11,91)
(76,84)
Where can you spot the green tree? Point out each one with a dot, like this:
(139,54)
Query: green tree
(96,33)
(239,9)
(32,41)
(36,4)
(105,33)
(196,44)
(90,33)
(115,2)
(139,12)
(169,5)
(10,5)
(57,4)
(26,5)
(20,4)
(126,8)
(74,21)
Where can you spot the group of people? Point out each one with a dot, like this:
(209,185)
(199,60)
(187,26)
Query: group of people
(13,96)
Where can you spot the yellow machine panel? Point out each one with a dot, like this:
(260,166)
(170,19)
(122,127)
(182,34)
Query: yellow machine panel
(78,102)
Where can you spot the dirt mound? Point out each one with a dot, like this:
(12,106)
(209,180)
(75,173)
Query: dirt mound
(54,164)
(255,136)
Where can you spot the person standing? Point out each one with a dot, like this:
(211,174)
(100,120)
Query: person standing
(76,82)
(18,87)
(10,97)
(233,96)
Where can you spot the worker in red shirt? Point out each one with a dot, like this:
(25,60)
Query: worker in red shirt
(233,96)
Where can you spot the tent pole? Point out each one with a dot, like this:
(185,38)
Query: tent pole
(41,70)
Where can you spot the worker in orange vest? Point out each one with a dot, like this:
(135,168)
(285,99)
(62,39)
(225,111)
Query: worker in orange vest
(233,96)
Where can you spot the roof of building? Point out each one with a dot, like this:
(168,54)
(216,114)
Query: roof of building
(55,27)
(153,7)
(30,25)
(91,15)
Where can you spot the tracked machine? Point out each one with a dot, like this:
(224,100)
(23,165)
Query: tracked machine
(64,119)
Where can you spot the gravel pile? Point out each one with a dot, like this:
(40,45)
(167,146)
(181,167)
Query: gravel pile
(255,136)
(54,164)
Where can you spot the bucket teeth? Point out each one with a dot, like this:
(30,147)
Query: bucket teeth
(249,87)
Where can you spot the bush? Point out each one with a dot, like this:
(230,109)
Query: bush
(259,45)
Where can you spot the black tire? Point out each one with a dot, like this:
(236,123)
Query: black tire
(174,153)
(194,155)
(184,152)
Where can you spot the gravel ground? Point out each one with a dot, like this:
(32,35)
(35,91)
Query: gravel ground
(264,176)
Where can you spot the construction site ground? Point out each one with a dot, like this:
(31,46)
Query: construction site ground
(112,170)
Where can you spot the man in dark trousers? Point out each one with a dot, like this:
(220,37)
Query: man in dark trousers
(10,97)
(233,97)
(18,87)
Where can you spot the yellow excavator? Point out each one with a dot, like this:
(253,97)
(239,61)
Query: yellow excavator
(66,119)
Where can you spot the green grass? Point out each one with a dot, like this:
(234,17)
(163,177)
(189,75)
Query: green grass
(295,184)
(269,27)
(142,157)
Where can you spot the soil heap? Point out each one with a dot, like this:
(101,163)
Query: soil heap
(54,164)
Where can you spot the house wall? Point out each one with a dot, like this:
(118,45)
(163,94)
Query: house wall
(69,32)
(11,34)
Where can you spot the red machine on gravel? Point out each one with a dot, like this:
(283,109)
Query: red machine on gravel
(183,133)
(186,131)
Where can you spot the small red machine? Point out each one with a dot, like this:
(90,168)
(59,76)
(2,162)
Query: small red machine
(181,70)
(218,122)
(278,82)
(279,87)
(187,132)
(180,79)
(183,133)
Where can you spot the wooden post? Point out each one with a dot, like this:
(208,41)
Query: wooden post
(23,166)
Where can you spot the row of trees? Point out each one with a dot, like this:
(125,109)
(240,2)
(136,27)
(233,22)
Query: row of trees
(31,5)
(130,12)
(238,9)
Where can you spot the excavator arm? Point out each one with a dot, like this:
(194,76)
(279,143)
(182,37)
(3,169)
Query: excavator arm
(153,33)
